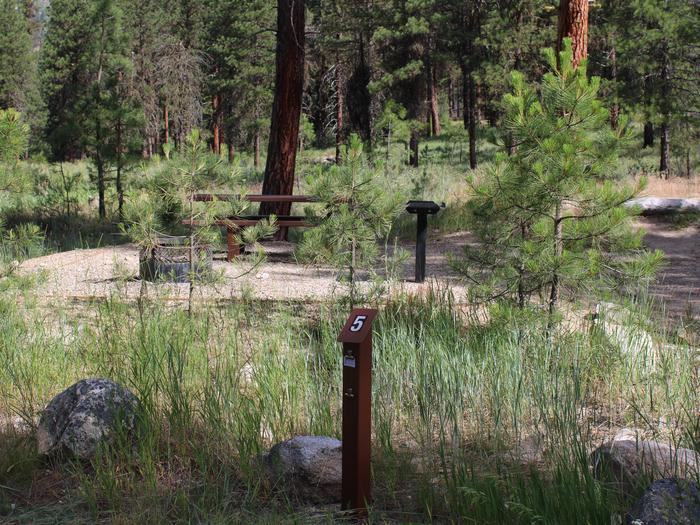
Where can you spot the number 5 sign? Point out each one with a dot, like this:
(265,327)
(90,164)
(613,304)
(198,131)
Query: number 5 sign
(358,326)
(356,337)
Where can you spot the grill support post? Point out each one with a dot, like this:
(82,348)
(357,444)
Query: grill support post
(421,241)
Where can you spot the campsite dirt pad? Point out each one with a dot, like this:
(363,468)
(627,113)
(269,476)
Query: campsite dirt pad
(97,273)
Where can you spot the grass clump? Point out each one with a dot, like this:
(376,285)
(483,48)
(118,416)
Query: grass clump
(456,394)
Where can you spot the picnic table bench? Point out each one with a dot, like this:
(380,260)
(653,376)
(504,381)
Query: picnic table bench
(236,223)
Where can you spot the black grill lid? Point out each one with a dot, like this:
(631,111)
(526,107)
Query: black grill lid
(429,207)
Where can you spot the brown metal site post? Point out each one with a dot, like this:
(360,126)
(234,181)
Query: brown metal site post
(356,337)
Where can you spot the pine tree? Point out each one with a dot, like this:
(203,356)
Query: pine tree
(658,55)
(464,30)
(18,65)
(66,74)
(403,46)
(356,215)
(242,70)
(146,23)
(549,217)
(286,108)
(511,40)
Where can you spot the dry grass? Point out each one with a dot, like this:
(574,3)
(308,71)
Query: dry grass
(680,187)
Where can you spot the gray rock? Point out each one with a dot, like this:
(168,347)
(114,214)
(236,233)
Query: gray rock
(663,206)
(667,502)
(84,416)
(308,468)
(632,463)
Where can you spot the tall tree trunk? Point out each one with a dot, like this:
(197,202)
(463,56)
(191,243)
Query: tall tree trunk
(511,147)
(413,146)
(573,24)
(286,107)
(166,123)
(231,151)
(454,97)
(216,123)
(339,103)
(470,112)
(648,135)
(100,164)
(558,252)
(615,109)
(665,164)
(256,149)
(435,129)
(469,107)
(118,181)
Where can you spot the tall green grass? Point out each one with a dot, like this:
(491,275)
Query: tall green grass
(453,396)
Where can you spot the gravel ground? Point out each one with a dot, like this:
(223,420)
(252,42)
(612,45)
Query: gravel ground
(87,274)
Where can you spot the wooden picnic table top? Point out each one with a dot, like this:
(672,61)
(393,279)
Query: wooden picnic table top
(244,222)
(209,197)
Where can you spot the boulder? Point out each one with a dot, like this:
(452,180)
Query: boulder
(308,468)
(664,206)
(631,462)
(84,416)
(667,502)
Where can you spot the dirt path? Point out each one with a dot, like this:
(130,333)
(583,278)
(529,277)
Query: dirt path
(677,286)
(87,274)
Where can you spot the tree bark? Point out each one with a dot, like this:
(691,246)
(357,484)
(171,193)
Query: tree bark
(573,24)
(470,112)
(118,181)
(413,146)
(664,164)
(435,128)
(615,109)
(286,107)
(340,102)
(558,252)
(648,135)
(231,151)
(216,124)
(166,123)
(256,149)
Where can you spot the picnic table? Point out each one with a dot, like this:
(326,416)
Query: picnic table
(235,224)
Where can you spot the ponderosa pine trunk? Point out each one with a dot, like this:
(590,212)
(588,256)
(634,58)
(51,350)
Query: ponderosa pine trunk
(648,135)
(664,163)
(118,181)
(286,107)
(413,147)
(256,149)
(615,109)
(573,24)
(470,112)
(339,131)
(558,253)
(166,124)
(216,123)
(339,103)
(435,128)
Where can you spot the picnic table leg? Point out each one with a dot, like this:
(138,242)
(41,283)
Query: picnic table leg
(234,249)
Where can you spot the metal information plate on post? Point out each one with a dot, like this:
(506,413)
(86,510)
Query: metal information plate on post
(422,209)
(356,337)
